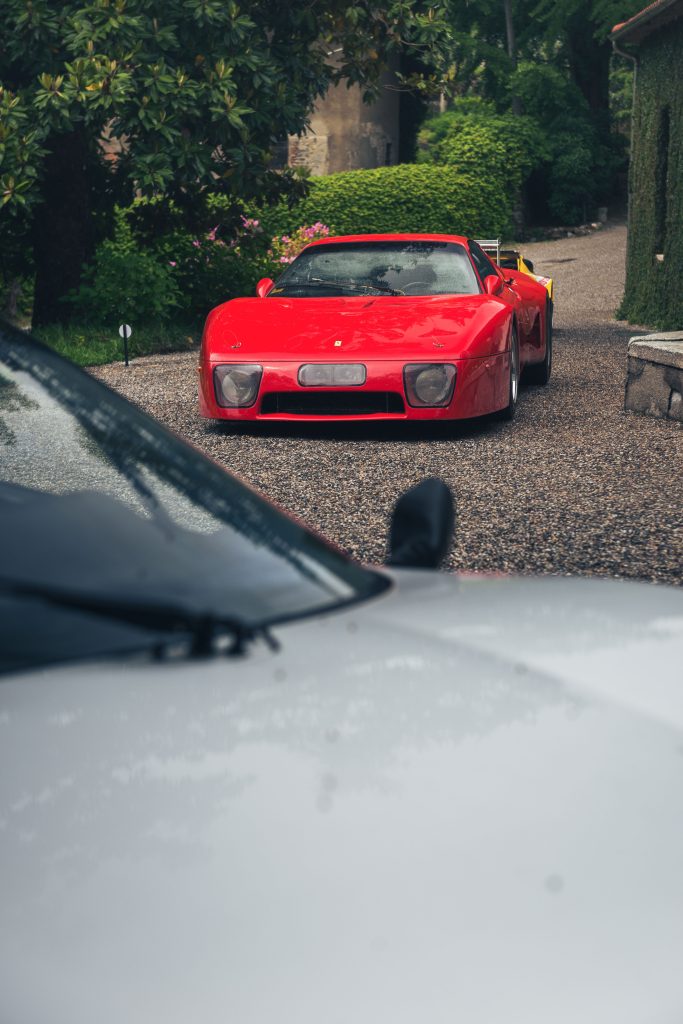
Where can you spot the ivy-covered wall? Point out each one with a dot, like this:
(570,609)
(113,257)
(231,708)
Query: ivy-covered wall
(654,287)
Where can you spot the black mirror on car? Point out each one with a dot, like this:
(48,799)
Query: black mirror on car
(422,526)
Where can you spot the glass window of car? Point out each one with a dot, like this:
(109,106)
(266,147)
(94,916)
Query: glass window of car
(367,268)
(485,267)
(98,501)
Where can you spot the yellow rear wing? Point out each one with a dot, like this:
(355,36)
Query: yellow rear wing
(512,259)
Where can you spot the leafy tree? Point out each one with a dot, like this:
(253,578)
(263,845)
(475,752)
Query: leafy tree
(552,62)
(489,38)
(581,28)
(196,91)
(576,169)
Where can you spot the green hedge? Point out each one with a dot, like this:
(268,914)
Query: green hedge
(478,141)
(404,198)
(654,295)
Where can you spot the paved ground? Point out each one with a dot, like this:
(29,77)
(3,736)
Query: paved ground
(573,485)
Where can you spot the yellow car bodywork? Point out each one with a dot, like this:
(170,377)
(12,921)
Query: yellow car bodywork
(512,259)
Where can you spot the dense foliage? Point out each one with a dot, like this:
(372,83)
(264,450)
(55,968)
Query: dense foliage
(192,96)
(579,168)
(195,92)
(479,141)
(126,283)
(653,286)
(192,271)
(551,62)
(572,36)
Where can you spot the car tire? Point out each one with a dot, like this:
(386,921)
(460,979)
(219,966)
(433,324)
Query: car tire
(508,413)
(539,373)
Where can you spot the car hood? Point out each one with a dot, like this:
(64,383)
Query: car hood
(459,801)
(368,327)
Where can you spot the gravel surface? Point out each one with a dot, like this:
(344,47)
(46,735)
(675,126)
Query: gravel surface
(574,485)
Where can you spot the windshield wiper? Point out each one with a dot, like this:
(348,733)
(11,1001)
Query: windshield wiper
(386,288)
(208,631)
(347,285)
(329,282)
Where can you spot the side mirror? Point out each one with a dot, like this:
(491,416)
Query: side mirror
(493,284)
(422,526)
(264,286)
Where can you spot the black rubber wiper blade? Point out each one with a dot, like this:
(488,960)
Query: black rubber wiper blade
(207,630)
(331,283)
(386,288)
(366,286)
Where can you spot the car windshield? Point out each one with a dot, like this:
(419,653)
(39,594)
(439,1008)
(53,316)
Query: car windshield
(377,268)
(100,502)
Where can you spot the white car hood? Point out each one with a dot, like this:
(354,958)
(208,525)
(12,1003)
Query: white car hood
(459,802)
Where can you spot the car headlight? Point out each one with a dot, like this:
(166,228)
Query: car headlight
(429,383)
(236,384)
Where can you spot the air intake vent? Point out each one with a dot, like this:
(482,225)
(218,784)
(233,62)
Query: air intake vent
(332,403)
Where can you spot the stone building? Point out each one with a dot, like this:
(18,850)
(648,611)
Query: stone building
(347,134)
(653,39)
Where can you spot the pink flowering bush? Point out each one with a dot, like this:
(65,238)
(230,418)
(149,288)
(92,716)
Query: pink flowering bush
(215,265)
(285,248)
(193,271)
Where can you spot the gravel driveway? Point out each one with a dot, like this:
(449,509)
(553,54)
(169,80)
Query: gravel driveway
(573,485)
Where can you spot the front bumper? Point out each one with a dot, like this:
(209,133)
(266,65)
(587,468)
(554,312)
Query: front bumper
(481,387)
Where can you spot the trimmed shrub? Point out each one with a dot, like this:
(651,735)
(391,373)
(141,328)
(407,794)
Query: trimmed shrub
(478,141)
(403,198)
(553,149)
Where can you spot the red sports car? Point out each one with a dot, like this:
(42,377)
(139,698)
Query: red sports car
(413,327)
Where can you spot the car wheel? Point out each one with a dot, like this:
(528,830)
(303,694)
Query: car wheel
(508,412)
(540,372)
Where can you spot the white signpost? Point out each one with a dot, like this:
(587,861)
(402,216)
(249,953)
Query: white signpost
(125,331)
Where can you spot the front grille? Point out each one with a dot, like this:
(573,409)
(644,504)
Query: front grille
(331,403)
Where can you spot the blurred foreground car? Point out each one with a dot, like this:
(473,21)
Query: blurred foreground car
(400,327)
(244,778)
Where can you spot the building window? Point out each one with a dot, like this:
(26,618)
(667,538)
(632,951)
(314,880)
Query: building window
(661,174)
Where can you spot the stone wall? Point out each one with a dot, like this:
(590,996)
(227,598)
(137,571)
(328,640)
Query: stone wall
(347,134)
(654,381)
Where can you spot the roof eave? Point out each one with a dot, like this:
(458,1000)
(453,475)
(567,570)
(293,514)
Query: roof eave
(647,21)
